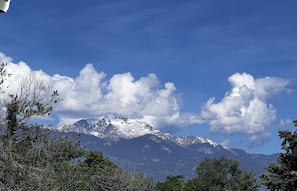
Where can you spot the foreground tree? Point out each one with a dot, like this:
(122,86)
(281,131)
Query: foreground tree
(220,175)
(282,175)
(29,153)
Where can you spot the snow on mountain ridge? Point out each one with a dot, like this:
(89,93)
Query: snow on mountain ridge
(111,126)
(188,140)
(114,126)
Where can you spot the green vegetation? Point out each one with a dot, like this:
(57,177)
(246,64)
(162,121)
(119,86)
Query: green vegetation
(282,175)
(220,174)
(172,183)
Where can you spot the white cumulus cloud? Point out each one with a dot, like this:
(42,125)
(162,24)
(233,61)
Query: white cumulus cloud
(244,109)
(91,94)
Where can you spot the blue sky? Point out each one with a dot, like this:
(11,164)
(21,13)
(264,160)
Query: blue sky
(163,62)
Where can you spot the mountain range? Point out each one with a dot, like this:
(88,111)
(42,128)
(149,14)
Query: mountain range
(138,147)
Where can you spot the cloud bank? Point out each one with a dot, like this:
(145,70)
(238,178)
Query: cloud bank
(91,94)
(244,109)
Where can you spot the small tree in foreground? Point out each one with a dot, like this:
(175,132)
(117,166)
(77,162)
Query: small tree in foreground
(282,174)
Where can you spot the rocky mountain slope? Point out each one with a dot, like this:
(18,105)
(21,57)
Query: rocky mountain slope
(138,147)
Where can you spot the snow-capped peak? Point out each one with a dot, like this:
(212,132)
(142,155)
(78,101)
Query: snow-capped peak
(115,127)
(111,126)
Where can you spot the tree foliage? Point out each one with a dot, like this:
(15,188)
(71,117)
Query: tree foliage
(282,174)
(172,183)
(29,153)
(212,174)
(220,174)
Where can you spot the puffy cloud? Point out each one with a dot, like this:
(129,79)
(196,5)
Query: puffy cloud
(4,58)
(90,94)
(18,72)
(286,123)
(270,86)
(81,94)
(244,109)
